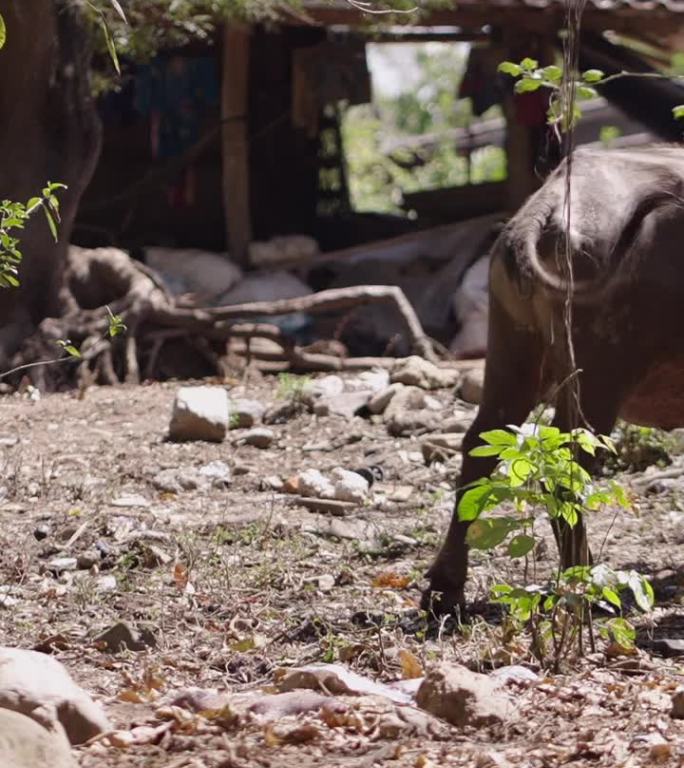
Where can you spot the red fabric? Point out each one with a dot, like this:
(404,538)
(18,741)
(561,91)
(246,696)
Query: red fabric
(531,108)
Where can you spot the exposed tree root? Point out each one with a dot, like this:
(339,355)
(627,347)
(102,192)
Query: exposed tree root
(107,277)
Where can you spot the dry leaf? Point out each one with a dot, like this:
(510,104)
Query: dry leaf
(129,695)
(180,576)
(411,667)
(391,580)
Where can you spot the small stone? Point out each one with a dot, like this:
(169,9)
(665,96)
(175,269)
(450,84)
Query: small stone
(37,685)
(418,372)
(260,437)
(105,583)
(245,413)
(515,673)
(678,704)
(472,386)
(26,744)
(175,480)
(441,447)
(217,472)
(200,413)
(61,564)
(413,423)
(41,532)
(130,500)
(271,483)
(121,636)
(86,560)
(326,582)
(379,402)
(349,486)
(462,697)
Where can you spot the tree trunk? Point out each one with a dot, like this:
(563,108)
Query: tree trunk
(49,131)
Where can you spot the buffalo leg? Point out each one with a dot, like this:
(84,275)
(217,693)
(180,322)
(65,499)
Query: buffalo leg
(511,390)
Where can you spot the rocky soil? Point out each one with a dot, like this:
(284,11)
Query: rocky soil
(196,590)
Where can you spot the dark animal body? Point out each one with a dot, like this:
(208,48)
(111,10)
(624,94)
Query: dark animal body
(626,238)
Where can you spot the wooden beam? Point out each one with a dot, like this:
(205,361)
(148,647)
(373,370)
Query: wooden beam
(235,144)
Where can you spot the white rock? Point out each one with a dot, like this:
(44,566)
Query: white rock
(313,483)
(38,686)
(61,564)
(193,271)
(130,500)
(283,249)
(26,744)
(200,413)
(373,381)
(326,386)
(349,486)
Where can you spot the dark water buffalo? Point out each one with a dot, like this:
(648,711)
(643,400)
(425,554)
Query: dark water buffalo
(627,244)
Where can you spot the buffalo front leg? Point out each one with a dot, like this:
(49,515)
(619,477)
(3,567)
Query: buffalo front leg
(511,390)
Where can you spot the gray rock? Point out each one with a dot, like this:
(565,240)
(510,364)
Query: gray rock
(245,413)
(200,413)
(462,697)
(403,424)
(405,399)
(418,372)
(515,673)
(86,560)
(260,437)
(472,386)
(379,402)
(38,686)
(122,636)
(218,473)
(26,744)
(60,564)
(678,704)
(313,483)
(441,447)
(175,480)
(349,486)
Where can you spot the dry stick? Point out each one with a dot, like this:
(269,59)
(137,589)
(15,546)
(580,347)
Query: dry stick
(324,301)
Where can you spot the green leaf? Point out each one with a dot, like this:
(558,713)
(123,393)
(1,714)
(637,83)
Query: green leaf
(611,596)
(678,111)
(3,31)
(509,68)
(622,632)
(520,545)
(520,470)
(552,73)
(586,92)
(488,533)
(474,501)
(529,64)
(642,590)
(51,223)
(110,46)
(527,85)
(593,75)
(485,450)
(499,437)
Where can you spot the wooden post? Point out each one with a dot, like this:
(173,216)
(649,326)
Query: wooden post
(235,145)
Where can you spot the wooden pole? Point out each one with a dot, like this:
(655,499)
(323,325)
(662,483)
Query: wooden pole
(235,145)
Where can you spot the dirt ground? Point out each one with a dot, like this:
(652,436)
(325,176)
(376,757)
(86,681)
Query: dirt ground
(235,583)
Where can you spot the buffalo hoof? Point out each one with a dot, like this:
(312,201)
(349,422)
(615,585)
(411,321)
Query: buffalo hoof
(443,600)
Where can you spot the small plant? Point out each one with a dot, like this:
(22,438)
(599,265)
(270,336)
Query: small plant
(531,77)
(292,387)
(538,473)
(13,216)
(637,448)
